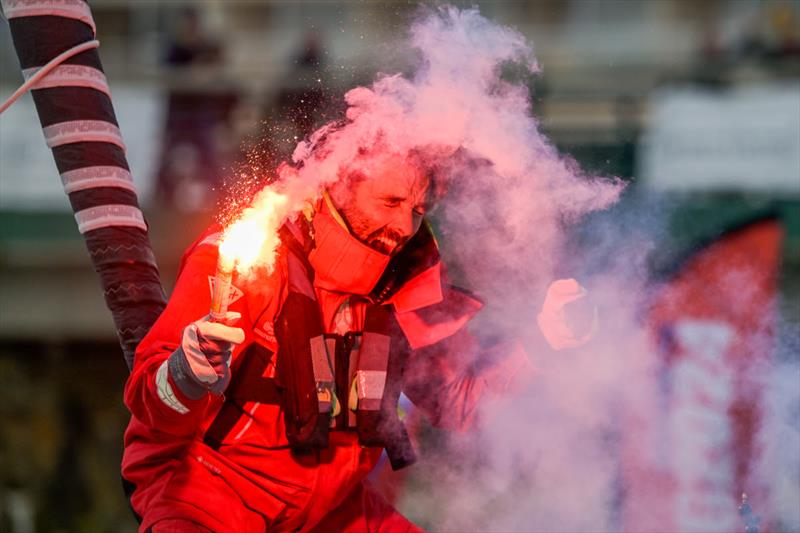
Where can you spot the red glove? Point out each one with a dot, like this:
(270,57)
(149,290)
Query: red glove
(202,361)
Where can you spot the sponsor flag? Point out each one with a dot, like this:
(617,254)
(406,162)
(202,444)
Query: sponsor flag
(713,321)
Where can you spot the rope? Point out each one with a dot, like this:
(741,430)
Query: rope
(53,63)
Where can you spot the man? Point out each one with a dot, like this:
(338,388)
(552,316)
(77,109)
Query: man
(272,420)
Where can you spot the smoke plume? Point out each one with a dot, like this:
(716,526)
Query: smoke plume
(549,456)
(456,102)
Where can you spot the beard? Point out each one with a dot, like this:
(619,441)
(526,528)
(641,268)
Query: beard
(383,240)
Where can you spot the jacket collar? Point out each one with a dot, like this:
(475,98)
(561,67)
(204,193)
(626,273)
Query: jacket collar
(344,264)
(341,262)
(420,291)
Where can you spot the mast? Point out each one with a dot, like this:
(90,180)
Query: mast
(74,105)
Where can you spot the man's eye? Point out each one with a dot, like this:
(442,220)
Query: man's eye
(420,210)
(392,202)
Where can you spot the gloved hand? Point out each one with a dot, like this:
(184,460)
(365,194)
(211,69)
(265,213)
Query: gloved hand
(560,318)
(201,362)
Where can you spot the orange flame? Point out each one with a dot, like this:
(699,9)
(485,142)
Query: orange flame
(253,238)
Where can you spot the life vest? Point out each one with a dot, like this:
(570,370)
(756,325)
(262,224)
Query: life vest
(315,368)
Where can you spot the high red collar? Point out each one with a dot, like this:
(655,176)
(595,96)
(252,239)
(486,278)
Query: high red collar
(341,262)
(344,264)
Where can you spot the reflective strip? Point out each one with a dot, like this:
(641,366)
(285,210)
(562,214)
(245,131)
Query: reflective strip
(109,215)
(249,421)
(323,367)
(374,353)
(322,363)
(70,76)
(371,384)
(92,177)
(82,131)
(165,392)
(213,239)
(71,9)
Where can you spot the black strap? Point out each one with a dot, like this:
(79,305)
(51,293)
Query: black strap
(300,321)
(249,385)
(384,427)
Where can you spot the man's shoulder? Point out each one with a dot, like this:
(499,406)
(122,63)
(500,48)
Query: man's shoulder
(208,241)
(261,286)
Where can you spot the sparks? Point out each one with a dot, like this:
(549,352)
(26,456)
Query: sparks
(248,242)
(253,238)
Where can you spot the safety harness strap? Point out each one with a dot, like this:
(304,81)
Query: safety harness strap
(381,361)
(307,419)
(249,385)
(313,368)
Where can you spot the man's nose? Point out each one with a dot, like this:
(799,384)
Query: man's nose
(404,225)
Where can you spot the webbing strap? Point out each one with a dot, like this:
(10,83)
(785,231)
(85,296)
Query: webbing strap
(109,215)
(248,384)
(76,131)
(70,76)
(324,370)
(99,176)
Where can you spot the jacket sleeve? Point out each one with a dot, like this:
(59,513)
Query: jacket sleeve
(448,379)
(150,394)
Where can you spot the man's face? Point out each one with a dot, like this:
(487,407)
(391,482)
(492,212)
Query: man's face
(385,208)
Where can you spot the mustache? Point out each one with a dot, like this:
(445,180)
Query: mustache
(376,240)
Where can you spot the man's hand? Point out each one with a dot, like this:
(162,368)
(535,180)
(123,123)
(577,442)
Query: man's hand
(201,363)
(567,320)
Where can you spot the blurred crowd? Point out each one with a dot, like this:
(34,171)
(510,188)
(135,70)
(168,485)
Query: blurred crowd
(216,129)
(212,130)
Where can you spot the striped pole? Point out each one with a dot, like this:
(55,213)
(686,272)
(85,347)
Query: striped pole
(73,102)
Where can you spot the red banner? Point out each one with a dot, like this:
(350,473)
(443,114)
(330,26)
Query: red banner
(713,323)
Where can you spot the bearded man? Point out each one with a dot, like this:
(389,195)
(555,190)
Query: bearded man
(273,419)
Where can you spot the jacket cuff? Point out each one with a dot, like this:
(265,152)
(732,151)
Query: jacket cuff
(183,377)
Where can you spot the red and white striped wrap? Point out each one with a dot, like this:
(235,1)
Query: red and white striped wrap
(73,101)
(70,76)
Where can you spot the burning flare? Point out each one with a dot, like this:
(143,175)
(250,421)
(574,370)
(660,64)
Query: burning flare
(249,242)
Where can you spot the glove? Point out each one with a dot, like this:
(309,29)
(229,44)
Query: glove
(201,363)
(559,318)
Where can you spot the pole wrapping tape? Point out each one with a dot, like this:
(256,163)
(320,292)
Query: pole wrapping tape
(71,9)
(77,131)
(109,215)
(70,76)
(75,109)
(100,176)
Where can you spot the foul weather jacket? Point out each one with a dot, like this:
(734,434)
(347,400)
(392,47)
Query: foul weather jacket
(178,464)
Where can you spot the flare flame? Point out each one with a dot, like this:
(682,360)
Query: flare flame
(252,239)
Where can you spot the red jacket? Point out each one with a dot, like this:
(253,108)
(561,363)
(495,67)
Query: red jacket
(172,473)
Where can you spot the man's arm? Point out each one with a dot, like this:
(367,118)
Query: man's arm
(448,379)
(165,390)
